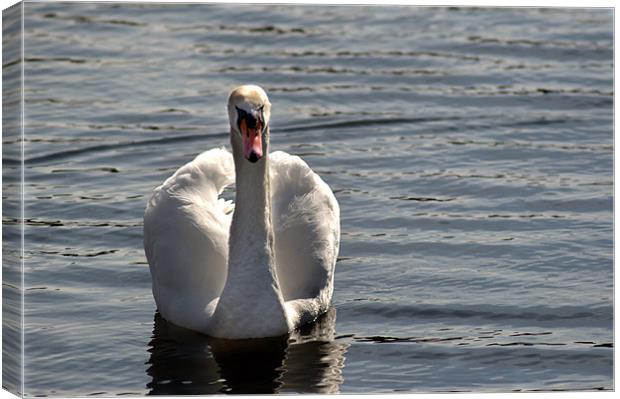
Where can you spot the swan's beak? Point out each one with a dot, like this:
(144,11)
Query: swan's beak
(251,131)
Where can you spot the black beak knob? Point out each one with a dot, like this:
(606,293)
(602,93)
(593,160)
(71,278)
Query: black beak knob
(253,157)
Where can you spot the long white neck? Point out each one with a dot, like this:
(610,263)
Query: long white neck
(251,234)
(251,301)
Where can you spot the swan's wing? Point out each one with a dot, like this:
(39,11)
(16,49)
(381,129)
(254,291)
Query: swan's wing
(186,238)
(306,220)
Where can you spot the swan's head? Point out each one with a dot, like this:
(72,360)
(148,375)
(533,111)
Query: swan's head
(248,112)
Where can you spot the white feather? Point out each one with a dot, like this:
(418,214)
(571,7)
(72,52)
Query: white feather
(186,232)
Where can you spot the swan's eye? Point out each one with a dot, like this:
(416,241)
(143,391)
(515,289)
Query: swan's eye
(241,115)
(262,116)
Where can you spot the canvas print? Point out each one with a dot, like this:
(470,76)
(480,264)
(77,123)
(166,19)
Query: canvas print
(255,198)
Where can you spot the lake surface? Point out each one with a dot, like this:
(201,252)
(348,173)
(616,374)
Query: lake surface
(471,152)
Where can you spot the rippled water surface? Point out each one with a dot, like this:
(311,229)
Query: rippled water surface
(470,149)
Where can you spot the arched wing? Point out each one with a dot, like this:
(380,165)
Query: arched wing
(186,237)
(306,222)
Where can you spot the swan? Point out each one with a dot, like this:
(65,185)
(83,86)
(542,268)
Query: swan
(260,267)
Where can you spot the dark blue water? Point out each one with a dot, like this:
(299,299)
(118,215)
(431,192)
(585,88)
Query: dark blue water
(471,151)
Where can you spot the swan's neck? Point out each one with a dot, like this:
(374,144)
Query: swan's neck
(251,234)
(251,299)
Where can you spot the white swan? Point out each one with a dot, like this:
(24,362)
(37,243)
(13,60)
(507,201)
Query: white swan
(260,271)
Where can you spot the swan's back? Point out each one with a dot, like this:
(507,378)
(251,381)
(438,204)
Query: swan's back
(306,223)
(186,239)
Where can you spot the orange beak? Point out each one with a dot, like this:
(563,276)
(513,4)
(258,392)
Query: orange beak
(252,140)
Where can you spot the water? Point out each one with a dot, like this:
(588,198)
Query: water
(471,151)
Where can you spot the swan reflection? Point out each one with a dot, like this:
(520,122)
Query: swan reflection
(183,362)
